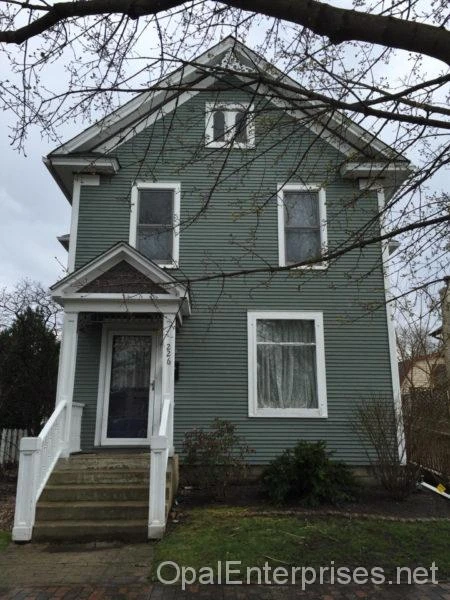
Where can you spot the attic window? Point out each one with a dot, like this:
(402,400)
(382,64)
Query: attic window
(229,125)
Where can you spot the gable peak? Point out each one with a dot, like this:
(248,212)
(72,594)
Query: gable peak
(231,61)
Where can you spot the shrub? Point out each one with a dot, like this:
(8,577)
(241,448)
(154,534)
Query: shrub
(383,432)
(215,457)
(307,474)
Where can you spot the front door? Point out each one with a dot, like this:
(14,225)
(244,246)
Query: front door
(129,389)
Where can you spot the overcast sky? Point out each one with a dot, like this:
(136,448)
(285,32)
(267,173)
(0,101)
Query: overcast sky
(33,211)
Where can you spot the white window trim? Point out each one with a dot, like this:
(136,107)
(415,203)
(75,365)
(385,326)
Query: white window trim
(230,110)
(295,187)
(134,215)
(309,413)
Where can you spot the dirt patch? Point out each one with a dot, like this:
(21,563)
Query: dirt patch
(8,483)
(372,501)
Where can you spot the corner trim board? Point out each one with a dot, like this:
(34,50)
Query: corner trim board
(395,377)
(78,181)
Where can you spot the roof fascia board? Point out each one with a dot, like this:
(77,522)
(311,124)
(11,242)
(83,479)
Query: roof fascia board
(358,131)
(141,101)
(334,140)
(101,164)
(147,119)
(358,170)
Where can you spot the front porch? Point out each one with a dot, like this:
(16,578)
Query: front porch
(134,308)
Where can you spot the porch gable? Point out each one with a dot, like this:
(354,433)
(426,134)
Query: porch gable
(122,279)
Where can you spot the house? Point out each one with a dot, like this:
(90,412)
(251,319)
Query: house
(443,332)
(422,372)
(218,170)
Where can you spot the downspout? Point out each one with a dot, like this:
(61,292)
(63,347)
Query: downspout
(440,489)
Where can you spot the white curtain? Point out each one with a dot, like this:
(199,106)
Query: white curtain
(130,362)
(286,363)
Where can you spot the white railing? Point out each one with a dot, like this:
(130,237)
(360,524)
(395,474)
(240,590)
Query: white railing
(38,457)
(161,445)
(9,445)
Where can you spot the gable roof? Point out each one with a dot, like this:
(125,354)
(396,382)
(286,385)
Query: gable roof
(87,150)
(121,273)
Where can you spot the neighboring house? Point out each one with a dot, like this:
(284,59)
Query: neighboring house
(443,332)
(445,308)
(215,177)
(422,372)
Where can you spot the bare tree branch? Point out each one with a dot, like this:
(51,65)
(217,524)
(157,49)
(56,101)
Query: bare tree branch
(327,257)
(338,24)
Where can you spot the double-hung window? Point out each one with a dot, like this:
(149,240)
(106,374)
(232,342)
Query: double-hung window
(302,227)
(286,364)
(154,223)
(229,125)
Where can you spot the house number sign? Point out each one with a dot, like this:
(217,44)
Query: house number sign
(169,354)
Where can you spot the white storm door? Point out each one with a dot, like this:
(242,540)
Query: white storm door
(129,391)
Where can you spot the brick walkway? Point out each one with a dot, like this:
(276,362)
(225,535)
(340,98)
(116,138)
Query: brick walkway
(70,571)
(120,572)
(158,592)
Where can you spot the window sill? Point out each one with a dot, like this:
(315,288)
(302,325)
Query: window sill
(231,145)
(316,267)
(290,413)
(173,265)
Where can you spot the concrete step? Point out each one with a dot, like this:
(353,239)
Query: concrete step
(95,493)
(92,511)
(103,462)
(98,496)
(87,476)
(85,531)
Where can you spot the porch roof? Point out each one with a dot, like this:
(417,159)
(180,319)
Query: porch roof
(122,280)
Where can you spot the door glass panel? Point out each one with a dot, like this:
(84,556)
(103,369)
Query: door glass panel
(130,387)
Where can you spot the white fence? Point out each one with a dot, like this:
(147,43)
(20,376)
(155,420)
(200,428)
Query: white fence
(10,445)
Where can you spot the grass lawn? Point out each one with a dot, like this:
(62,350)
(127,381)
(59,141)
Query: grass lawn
(4,539)
(208,535)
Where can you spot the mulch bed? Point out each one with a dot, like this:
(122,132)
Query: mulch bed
(373,501)
(8,482)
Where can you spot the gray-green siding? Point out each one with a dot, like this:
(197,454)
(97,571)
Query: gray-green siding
(230,234)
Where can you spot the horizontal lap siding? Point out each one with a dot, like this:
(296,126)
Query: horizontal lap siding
(212,344)
(86,379)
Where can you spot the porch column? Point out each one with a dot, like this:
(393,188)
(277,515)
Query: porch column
(66,372)
(168,369)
